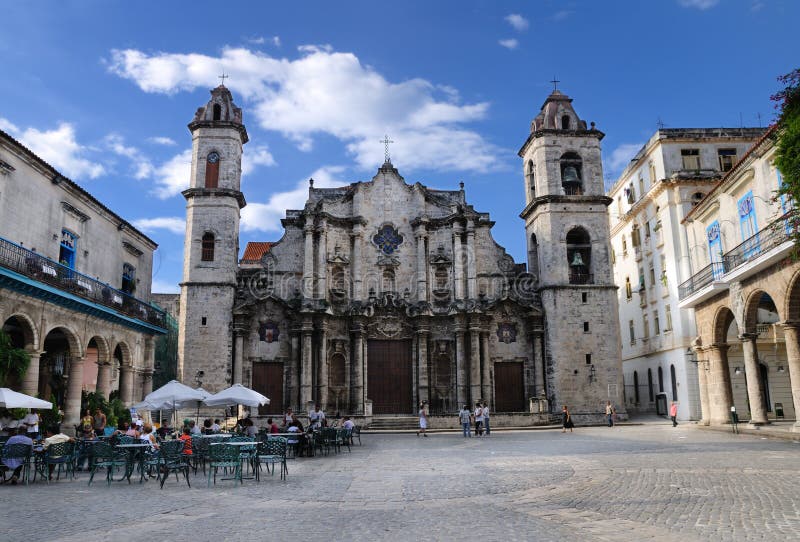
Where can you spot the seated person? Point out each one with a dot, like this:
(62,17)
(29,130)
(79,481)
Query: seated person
(297,423)
(148,437)
(273,427)
(215,427)
(294,427)
(186,437)
(53,435)
(132,431)
(317,418)
(193,429)
(348,423)
(250,428)
(207,427)
(14,464)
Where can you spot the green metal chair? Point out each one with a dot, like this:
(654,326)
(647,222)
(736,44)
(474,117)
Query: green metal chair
(172,459)
(199,455)
(271,452)
(109,458)
(224,456)
(61,456)
(344,436)
(18,452)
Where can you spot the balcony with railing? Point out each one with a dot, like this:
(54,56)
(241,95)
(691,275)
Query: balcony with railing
(768,246)
(74,284)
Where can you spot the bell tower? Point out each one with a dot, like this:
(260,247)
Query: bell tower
(211,245)
(567,231)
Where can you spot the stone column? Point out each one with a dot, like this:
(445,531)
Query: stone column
(357,389)
(486,378)
(474,363)
(792,334)
(755,387)
(322,261)
(422,283)
(147,382)
(702,378)
(125,383)
(292,386)
(308,260)
(305,369)
(461,374)
(322,375)
(355,262)
(471,255)
(72,408)
(720,395)
(238,358)
(422,365)
(458,262)
(103,379)
(30,382)
(538,366)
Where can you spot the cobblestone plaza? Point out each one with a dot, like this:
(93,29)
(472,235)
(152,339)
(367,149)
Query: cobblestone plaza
(645,482)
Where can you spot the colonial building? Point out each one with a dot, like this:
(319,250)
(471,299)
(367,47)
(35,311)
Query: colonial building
(745,292)
(669,175)
(74,286)
(383,294)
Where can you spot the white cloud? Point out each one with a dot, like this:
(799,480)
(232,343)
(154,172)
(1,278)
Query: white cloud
(165,287)
(267,216)
(276,41)
(8,126)
(261,40)
(254,157)
(509,44)
(328,92)
(561,15)
(517,21)
(59,148)
(172,177)
(160,140)
(698,4)
(172,224)
(620,158)
(143,168)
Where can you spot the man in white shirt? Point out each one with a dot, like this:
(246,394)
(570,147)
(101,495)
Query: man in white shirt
(316,417)
(485,412)
(31,421)
(215,426)
(478,420)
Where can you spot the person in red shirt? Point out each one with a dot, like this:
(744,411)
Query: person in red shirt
(673,413)
(186,437)
(273,427)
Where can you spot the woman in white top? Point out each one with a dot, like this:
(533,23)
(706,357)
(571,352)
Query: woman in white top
(478,420)
(423,420)
(148,437)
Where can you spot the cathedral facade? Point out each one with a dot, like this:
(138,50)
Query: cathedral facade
(383,294)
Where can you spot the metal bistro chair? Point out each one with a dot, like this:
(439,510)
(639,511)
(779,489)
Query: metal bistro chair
(224,456)
(19,452)
(270,452)
(60,455)
(356,434)
(200,446)
(329,440)
(109,458)
(344,436)
(172,459)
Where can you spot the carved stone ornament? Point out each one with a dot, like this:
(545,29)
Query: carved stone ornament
(389,327)
(507,332)
(268,332)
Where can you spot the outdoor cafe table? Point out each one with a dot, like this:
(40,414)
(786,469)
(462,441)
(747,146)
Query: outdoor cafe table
(134,451)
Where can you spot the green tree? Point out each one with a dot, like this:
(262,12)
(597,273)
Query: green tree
(787,143)
(13,360)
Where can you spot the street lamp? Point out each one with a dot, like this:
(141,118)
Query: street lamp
(691,357)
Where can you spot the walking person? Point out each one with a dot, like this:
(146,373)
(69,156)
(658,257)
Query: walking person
(485,413)
(423,420)
(478,420)
(673,413)
(465,419)
(610,414)
(566,420)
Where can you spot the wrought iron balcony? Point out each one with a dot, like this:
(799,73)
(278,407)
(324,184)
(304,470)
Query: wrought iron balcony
(700,279)
(771,236)
(47,271)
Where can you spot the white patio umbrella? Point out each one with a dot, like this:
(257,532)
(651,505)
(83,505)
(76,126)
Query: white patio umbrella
(172,396)
(237,395)
(14,399)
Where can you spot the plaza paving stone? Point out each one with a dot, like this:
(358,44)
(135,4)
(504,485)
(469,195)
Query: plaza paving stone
(648,482)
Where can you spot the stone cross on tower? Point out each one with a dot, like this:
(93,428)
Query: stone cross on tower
(555,83)
(222,79)
(386,142)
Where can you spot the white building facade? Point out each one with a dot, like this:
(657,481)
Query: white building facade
(667,177)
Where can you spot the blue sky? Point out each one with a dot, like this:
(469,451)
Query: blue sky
(104,91)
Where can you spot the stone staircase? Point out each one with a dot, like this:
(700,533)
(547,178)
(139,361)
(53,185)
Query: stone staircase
(393,423)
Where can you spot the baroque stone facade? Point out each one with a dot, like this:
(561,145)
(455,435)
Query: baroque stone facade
(383,294)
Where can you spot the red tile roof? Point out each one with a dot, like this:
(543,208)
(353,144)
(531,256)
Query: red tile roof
(255,250)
